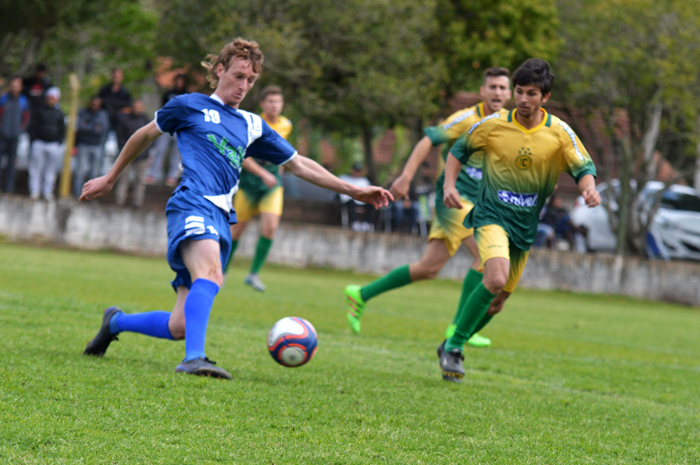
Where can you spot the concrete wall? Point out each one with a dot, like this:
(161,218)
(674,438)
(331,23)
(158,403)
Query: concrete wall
(94,226)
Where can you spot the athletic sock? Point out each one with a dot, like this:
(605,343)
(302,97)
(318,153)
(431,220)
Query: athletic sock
(483,322)
(470,282)
(197,308)
(234,244)
(474,310)
(261,251)
(153,324)
(395,278)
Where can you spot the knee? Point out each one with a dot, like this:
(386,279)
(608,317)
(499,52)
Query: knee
(495,284)
(177,328)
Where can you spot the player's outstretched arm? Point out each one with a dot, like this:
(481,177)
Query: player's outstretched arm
(309,170)
(452,169)
(253,167)
(587,187)
(137,143)
(399,188)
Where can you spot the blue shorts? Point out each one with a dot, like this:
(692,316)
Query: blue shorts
(192,217)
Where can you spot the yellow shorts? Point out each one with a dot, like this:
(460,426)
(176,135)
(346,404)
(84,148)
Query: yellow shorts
(270,203)
(493,242)
(449,225)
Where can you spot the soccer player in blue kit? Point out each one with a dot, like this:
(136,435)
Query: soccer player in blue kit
(214,137)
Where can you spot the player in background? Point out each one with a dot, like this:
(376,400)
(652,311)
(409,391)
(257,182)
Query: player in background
(260,190)
(447,232)
(524,152)
(214,137)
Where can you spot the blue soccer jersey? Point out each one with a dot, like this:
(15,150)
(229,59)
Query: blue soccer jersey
(214,139)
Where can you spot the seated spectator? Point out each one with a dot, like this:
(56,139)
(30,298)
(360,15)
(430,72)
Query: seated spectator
(555,222)
(128,123)
(46,130)
(91,132)
(356,209)
(14,116)
(406,212)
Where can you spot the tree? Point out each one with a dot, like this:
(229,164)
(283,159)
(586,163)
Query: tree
(635,65)
(352,65)
(473,35)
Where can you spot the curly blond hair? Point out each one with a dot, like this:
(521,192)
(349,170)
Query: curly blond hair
(239,48)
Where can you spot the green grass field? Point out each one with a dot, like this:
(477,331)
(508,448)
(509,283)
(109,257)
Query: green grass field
(570,378)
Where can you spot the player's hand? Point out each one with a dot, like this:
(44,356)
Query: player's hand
(376,196)
(591,197)
(451,198)
(96,188)
(269,180)
(399,188)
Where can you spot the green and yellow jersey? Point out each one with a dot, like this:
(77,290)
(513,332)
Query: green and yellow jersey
(447,133)
(253,185)
(520,169)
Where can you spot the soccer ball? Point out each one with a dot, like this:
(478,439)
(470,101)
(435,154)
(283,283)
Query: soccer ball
(292,341)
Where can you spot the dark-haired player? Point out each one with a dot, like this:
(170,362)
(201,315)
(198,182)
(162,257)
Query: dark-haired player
(214,137)
(260,190)
(524,152)
(447,232)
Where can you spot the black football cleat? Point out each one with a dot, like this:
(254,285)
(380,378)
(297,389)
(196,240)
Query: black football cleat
(202,366)
(451,363)
(99,344)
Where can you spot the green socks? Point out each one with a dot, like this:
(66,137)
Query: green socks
(483,322)
(395,278)
(234,244)
(261,251)
(470,315)
(472,280)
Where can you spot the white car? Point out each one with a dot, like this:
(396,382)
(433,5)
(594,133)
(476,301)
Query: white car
(674,232)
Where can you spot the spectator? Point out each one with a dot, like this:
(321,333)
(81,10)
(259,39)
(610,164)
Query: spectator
(91,132)
(14,116)
(555,222)
(354,207)
(35,87)
(406,212)
(115,97)
(132,120)
(167,144)
(47,130)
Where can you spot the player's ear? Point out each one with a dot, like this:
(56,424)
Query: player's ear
(545,97)
(219,70)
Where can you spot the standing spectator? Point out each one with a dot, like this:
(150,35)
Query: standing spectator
(14,116)
(353,206)
(93,126)
(132,120)
(115,97)
(47,130)
(406,212)
(167,144)
(35,87)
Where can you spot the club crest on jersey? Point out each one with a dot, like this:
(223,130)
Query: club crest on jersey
(519,200)
(524,160)
(234,156)
(483,120)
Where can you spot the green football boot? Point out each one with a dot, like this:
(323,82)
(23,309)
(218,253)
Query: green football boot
(479,341)
(356,306)
(475,341)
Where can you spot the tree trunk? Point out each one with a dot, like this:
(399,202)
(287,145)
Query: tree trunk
(697,165)
(651,136)
(369,158)
(623,203)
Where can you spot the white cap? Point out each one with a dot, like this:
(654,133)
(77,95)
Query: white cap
(54,92)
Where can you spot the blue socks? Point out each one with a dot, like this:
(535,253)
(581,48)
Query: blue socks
(153,324)
(197,308)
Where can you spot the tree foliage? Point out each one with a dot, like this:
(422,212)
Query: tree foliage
(635,64)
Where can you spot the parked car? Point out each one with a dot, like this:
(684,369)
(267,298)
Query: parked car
(675,229)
